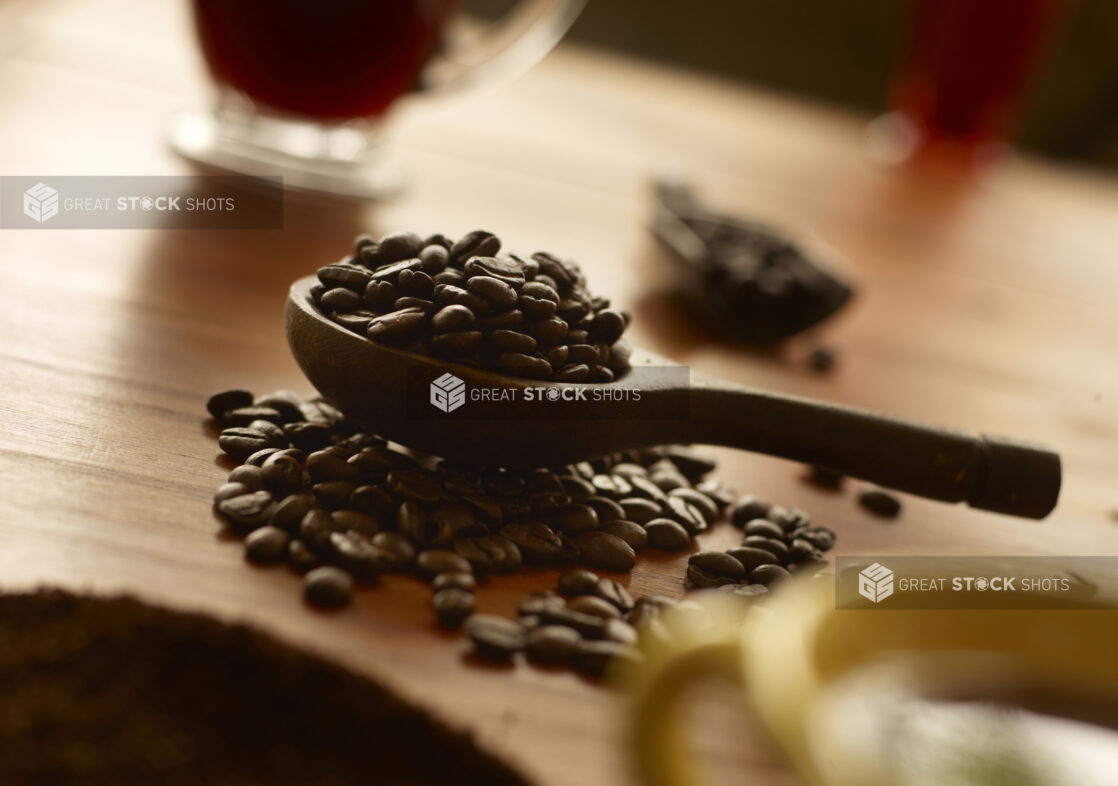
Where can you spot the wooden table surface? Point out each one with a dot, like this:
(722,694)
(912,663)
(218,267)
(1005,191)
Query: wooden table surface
(987,305)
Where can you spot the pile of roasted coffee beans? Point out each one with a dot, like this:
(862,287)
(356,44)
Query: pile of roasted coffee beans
(342,507)
(466,302)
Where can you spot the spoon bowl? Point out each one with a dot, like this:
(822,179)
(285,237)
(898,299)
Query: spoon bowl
(486,418)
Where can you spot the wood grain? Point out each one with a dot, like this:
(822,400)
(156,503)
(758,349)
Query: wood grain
(985,304)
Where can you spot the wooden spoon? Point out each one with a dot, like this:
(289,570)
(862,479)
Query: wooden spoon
(387,390)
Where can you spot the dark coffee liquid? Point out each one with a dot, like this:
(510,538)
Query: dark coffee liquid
(323,59)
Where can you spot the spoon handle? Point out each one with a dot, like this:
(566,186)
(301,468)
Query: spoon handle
(987,472)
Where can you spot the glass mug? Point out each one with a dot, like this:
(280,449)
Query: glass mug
(882,697)
(303,85)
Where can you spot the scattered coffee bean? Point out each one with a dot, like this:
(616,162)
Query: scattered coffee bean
(824,477)
(747,509)
(220,403)
(768,575)
(667,535)
(494,638)
(605,551)
(578,582)
(452,606)
(719,564)
(454,580)
(435,561)
(266,545)
(880,502)
(248,511)
(328,586)
(629,531)
(552,644)
(822,359)
(764,528)
(593,605)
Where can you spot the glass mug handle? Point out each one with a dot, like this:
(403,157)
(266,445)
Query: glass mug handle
(502,50)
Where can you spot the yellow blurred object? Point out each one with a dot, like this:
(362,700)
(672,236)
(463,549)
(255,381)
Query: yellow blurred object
(892,697)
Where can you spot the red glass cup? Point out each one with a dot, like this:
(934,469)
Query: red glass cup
(302,87)
(968,65)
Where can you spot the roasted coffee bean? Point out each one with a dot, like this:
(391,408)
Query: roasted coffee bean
(645,487)
(220,403)
(538,603)
(699,501)
(747,509)
(248,511)
(575,518)
(486,508)
(300,558)
(552,644)
(325,466)
(315,530)
(820,537)
(289,512)
(372,500)
(720,493)
(451,277)
(415,283)
(506,269)
(457,345)
(259,457)
(434,258)
(359,522)
(348,276)
(521,365)
(282,474)
(356,321)
(411,521)
(397,246)
(751,557)
(572,373)
(764,528)
(800,550)
(452,317)
(340,299)
(230,490)
(787,518)
(452,294)
(595,657)
(605,551)
(247,475)
(686,514)
(702,578)
(612,486)
(577,582)
(267,545)
(613,592)
(357,554)
(397,551)
(554,611)
(776,547)
(629,531)
(489,553)
(417,484)
(608,326)
(640,510)
(380,295)
(502,341)
(620,631)
(537,542)
(768,575)
(599,374)
(494,638)
(824,477)
(535,308)
(453,606)
(328,587)
(880,502)
(397,327)
(308,436)
(435,561)
(334,494)
(594,606)
(578,489)
(453,580)
(821,359)
(606,508)
(428,307)
(493,290)
(240,443)
(647,608)
(453,520)
(476,243)
(503,482)
(718,563)
(667,535)
(549,332)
